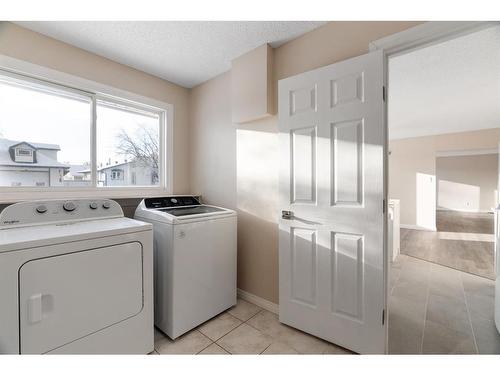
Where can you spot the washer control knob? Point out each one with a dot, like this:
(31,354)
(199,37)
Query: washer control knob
(106,205)
(93,205)
(173,200)
(41,209)
(69,206)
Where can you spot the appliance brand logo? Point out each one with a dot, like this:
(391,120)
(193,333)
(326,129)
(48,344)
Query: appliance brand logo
(10,222)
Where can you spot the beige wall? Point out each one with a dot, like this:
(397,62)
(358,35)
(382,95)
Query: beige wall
(23,44)
(467,183)
(213,142)
(418,155)
(233,166)
(243,159)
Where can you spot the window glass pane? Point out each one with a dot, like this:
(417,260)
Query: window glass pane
(44,136)
(127,146)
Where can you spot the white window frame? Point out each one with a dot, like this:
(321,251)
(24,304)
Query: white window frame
(19,149)
(96,91)
(118,174)
(19,155)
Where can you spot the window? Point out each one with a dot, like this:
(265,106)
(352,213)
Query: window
(23,155)
(128,137)
(50,138)
(116,174)
(24,152)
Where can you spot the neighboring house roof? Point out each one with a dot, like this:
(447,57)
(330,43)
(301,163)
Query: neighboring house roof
(87,170)
(43,146)
(41,159)
(113,166)
(77,169)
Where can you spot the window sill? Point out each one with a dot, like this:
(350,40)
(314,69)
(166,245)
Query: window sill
(12,195)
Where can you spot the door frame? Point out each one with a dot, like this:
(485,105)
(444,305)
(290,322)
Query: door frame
(414,38)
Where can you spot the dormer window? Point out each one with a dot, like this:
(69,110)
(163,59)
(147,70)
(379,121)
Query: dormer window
(23,154)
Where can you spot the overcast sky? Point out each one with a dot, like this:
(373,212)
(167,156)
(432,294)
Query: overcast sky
(31,116)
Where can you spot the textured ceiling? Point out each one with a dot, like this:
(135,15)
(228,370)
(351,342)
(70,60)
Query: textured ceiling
(446,88)
(186,53)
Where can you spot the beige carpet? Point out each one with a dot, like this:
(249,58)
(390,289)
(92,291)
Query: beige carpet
(463,241)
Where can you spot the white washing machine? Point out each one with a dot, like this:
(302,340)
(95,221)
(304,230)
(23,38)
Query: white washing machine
(76,278)
(195,260)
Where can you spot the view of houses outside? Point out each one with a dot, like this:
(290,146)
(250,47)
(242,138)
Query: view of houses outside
(45,141)
(25,163)
(127,147)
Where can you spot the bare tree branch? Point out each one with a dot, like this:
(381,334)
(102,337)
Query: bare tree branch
(142,146)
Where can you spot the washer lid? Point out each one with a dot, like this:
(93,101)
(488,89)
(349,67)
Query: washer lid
(18,238)
(194,210)
(182,214)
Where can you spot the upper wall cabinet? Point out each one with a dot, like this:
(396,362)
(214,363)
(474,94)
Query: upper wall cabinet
(252,85)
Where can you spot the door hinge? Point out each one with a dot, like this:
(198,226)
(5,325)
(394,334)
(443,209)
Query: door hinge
(383,317)
(383,206)
(383,93)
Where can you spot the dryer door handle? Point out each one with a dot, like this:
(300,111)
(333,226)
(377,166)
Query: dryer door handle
(35,308)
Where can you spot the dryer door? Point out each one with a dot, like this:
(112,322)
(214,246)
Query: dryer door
(65,297)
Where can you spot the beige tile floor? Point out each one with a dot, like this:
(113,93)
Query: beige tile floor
(432,310)
(439,310)
(244,329)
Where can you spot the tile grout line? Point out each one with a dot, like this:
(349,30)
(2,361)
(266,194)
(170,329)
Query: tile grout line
(246,320)
(204,335)
(425,312)
(469,315)
(267,347)
(227,333)
(242,322)
(397,279)
(211,342)
(223,348)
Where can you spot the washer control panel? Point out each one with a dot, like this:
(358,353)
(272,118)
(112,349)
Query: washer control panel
(58,212)
(172,201)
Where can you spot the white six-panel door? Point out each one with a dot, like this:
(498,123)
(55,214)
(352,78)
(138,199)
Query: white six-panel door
(497,247)
(331,242)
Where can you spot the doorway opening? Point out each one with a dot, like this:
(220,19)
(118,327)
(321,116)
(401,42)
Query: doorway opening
(444,131)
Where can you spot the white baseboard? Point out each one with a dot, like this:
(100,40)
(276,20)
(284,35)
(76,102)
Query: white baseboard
(256,300)
(416,227)
(467,211)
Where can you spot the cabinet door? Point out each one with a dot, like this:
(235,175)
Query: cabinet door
(66,297)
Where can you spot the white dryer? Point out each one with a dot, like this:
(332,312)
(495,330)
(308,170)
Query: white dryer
(195,260)
(75,277)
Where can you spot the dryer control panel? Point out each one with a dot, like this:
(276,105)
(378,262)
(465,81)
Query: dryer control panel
(60,211)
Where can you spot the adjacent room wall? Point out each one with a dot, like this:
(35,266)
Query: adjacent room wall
(467,183)
(413,156)
(24,44)
(237,165)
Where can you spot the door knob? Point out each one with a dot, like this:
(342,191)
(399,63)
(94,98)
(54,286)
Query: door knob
(288,215)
